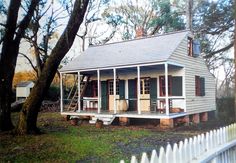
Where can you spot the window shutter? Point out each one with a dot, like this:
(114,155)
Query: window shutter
(202,86)
(196,48)
(122,89)
(177,86)
(153,88)
(104,95)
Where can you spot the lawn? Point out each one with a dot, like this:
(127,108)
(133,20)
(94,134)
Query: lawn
(62,142)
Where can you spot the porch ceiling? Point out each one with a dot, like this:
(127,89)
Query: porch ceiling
(159,67)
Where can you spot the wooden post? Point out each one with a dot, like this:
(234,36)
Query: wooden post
(79,105)
(167,92)
(61,93)
(138,90)
(98,83)
(114,90)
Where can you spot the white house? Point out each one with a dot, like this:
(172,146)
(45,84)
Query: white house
(23,89)
(130,79)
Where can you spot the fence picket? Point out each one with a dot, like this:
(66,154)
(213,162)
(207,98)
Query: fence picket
(224,135)
(198,145)
(186,151)
(214,139)
(191,148)
(144,158)
(154,158)
(234,130)
(169,154)
(175,154)
(221,135)
(227,133)
(162,155)
(203,144)
(207,141)
(211,140)
(134,159)
(181,152)
(218,137)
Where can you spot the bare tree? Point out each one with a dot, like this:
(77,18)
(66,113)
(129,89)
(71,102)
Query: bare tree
(28,116)
(13,33)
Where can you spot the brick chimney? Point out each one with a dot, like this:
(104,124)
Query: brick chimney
(139,32)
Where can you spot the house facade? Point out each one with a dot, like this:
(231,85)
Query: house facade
(161,77)
(23,89)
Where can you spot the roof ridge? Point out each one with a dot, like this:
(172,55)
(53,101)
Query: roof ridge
(142,38)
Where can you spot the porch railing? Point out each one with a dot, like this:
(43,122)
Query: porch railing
(158,105)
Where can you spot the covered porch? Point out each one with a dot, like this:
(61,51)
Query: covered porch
(127,91)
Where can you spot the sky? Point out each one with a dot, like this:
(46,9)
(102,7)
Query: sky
(23,64)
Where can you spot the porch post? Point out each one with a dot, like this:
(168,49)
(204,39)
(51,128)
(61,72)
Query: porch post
(114,90)
(167,92)
(138,90)
(79,104)
(61,92)
(98,83)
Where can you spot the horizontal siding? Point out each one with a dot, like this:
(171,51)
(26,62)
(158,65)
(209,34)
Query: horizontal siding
(195,66)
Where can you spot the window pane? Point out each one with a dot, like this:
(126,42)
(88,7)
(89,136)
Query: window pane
(147,86)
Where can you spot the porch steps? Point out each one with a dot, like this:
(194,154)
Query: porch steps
(107,119)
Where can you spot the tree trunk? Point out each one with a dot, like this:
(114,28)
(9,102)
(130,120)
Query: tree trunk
(28,116)
(8,57)
(235,59)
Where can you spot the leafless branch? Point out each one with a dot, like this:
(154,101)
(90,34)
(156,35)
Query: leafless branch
(29,60)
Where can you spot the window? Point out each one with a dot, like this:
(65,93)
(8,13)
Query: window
(162,85)
(145,86)
(111,92)
(190,46)
(199,86)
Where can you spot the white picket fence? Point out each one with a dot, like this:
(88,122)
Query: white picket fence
(216,146)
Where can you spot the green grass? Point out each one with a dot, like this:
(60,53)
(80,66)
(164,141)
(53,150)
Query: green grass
(62,142)
(65,143)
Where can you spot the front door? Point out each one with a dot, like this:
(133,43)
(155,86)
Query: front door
(145,94)
(111,94)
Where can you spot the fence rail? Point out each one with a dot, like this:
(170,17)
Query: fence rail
(214,146)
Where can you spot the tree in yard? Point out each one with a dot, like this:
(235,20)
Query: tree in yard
(235,59)
(213,23)
(28,116)
(152,16)
(12,34)
(40,36)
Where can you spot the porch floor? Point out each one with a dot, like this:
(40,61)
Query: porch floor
(128,114)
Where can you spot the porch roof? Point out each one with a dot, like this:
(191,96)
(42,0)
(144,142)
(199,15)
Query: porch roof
(134,52)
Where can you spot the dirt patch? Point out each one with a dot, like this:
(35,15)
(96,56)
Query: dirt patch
(160,137)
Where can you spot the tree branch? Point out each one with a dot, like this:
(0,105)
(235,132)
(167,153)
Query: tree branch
(29,60)
(220,50)
(26,20)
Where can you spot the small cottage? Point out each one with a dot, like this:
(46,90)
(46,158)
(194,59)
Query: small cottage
(161,77)
(23,89)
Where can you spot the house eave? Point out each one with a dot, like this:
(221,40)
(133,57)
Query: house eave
(122,66)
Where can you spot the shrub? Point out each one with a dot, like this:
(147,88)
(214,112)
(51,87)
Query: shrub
(53,93)
(225,108)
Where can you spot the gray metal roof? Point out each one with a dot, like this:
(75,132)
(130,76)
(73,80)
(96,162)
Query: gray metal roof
(24,84)
(138,51)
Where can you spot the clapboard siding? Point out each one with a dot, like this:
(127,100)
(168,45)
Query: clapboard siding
(195,66)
